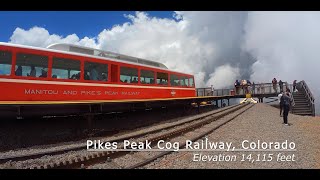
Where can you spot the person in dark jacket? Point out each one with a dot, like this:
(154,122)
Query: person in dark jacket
(281,86)
(286,99)
(19,71)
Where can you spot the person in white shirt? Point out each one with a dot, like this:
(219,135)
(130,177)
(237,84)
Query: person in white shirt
(280,103)
(212,90)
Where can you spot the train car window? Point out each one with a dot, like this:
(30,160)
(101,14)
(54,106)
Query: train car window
(5,62)
(31,65)
(95,71)
(162,78)
(174,80)
(65,69)
(184,81)
(191,82)
(128,75)
(146,77)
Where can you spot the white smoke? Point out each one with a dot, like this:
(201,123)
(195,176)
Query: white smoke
(221,75)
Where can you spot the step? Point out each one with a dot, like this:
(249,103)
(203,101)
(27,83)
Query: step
(299,97)
(295,94)
(301,107)
(298,94)
(304,114)
(301,110)
(300,113)
(300,101)
(301,104)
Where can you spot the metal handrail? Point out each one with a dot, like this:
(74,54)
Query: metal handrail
(308,91)
(261,88)
(309,95)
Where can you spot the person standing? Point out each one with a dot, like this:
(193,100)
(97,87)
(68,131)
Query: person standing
(274,84)
(281,86)
(18,71)
(93,73)
(253,88)
(212,90)
(32,72)
(286,107)
(237,86)
(280,103)
(294,86)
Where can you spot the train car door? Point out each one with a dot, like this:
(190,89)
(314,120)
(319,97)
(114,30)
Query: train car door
(114,73)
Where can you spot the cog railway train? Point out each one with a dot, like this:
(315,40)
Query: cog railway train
(64,73)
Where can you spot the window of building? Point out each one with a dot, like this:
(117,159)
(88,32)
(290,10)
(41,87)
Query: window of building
(5,62)
(191,82)
(162,78)
(65,69)
(184,81)
(128,75)
(174,80)
(95,71)
(31,65)
(146,77)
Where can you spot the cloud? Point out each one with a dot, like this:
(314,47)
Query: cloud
(286,46)
(187,43)
(40,37)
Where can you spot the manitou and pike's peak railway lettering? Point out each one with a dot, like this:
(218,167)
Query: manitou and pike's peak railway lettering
(75,92)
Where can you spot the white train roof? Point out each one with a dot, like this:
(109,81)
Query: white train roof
(61,47)
(101,53)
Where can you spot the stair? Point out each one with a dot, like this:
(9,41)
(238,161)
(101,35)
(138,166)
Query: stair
(302,106)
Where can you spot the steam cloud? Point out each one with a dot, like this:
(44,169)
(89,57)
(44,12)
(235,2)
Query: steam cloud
(217,47)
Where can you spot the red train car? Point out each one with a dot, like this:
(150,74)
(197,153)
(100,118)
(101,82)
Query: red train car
(69,73)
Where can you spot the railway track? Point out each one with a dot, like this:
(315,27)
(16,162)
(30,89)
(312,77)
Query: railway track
(114,139)
(193,139)
(171,131)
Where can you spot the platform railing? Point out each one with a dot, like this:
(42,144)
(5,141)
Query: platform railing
(216,92)
(254,89)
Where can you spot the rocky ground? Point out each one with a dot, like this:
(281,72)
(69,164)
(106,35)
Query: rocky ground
(262,122)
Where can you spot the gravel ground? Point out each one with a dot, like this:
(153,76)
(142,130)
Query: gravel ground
(70,155)
(43,160)
(60,146)
(262,122)
(133,158)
